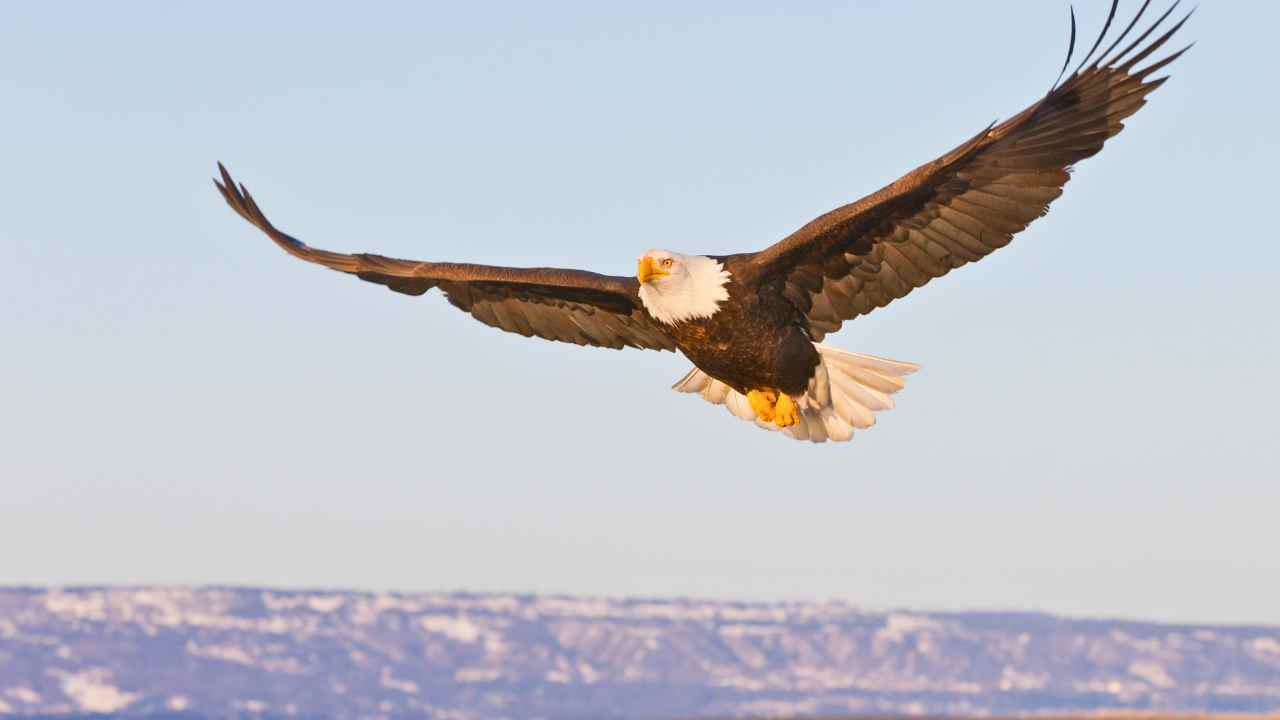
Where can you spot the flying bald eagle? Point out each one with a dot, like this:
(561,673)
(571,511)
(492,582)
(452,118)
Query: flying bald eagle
(752,323)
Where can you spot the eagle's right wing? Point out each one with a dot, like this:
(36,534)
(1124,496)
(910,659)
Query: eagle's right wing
(962,206)
(573,306)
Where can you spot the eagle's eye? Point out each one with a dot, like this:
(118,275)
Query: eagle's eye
(666,263)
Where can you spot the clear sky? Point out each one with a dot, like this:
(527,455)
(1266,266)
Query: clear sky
(1094,430)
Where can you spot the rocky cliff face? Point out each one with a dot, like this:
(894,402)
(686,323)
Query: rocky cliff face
(460,656)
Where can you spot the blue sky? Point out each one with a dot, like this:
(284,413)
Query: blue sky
(1093,431)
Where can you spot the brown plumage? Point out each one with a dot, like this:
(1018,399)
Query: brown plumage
(567,305)
(967,203)
(944,214)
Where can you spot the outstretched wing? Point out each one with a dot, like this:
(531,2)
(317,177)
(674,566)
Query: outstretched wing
(567,305)
(965,204)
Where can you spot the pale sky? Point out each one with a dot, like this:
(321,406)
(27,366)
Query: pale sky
(1093,432)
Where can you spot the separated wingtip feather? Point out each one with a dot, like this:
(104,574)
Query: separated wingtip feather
(1106,27)
(1120,56)
(1071,49)
(1155,44)
(1128,29)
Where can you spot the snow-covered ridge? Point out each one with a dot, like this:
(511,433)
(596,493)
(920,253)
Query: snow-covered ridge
(221,651)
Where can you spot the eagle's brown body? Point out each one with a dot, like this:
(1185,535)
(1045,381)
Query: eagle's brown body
(756,340)
(949,212)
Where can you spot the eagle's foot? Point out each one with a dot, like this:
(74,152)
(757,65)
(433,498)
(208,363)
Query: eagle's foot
(785,413)
(763,401)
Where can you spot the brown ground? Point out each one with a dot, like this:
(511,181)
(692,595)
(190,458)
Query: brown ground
(1081,716)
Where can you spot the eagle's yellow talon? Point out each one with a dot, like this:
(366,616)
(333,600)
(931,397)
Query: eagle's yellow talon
(785,413)
(762,401)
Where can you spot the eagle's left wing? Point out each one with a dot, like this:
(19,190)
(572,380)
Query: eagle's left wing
(572,306)
(967,203)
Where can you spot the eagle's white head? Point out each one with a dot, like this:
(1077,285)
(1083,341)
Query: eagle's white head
(675,287)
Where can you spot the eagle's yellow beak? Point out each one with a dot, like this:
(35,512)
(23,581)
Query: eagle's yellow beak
(647,270)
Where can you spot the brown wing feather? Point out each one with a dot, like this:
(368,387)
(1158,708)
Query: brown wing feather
(962,206)
(573,306)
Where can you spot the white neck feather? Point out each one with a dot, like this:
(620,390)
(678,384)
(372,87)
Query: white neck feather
(689,296)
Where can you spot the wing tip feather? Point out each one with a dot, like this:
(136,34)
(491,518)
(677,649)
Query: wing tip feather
(1071,49)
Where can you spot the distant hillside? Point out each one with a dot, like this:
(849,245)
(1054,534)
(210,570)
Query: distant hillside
(462,656)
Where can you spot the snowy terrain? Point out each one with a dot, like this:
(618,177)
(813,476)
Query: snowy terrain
(461,656)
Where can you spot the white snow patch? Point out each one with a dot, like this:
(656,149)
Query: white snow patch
(87,606)
(777,708)
(588,673)
(584,607)
(24,694)
(1011,679)
(253,706)
(898,625)
(288,665)
(663,611)
(476,675)
(751,630)
(91,691)
(454,628)
(177,703)
(1152,672)
(1266,646)
(499,603)
(812,678)
(325,603)
(746,614)
(226,653)
(164,605)
(5,707)
(1124,691)
(738,682)
(387,680)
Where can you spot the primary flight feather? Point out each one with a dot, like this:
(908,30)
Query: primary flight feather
(751,323)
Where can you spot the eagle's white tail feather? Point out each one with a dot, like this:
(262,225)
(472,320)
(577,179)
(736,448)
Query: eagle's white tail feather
(846,391)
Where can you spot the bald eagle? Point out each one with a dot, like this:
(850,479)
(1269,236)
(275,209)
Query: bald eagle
(752,323)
